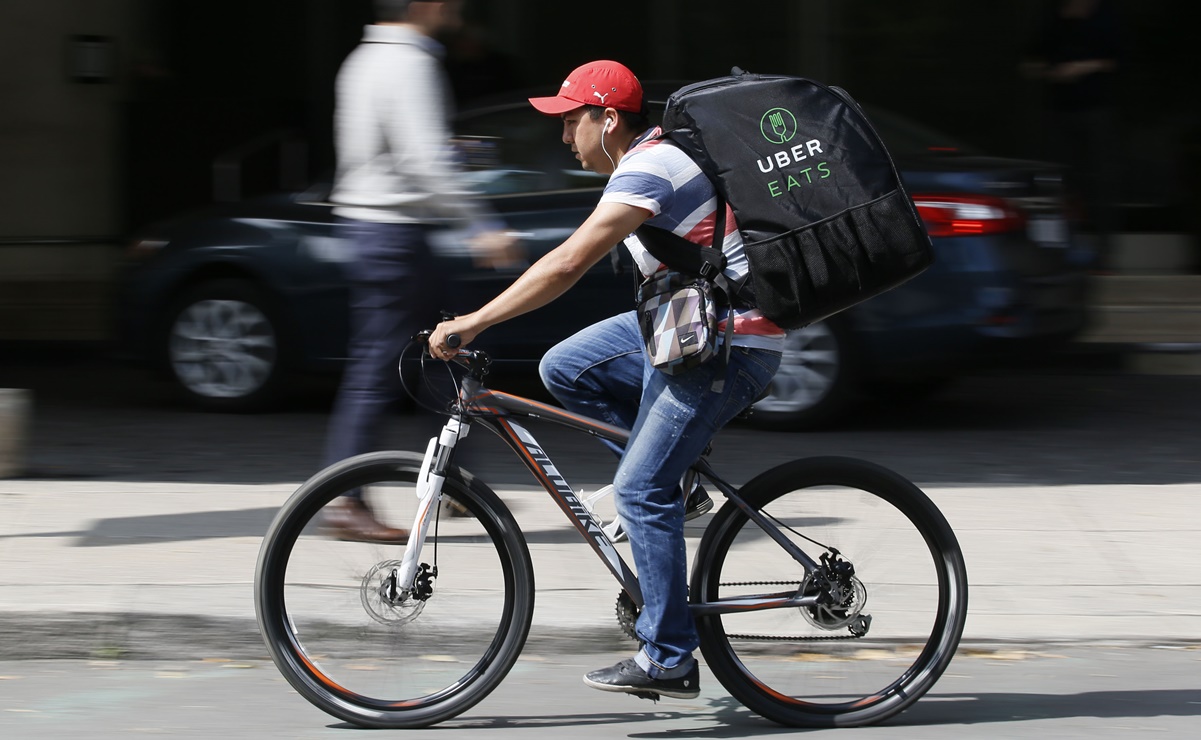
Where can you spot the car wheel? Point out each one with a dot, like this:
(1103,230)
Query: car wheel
(814,382)
(221,344)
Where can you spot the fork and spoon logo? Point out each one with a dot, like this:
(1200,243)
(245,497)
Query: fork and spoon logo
(778,125)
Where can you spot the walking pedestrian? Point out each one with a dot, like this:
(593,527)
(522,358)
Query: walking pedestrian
(397,178)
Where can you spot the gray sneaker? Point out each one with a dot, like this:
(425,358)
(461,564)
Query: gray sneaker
(629,678)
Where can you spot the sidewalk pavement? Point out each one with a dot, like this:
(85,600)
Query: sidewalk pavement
(165,570)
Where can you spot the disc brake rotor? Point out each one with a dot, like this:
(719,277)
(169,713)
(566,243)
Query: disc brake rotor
(383,601)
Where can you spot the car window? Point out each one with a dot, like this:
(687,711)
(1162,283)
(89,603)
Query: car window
(516,150)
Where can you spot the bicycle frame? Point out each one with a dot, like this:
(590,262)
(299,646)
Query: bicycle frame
(499,412)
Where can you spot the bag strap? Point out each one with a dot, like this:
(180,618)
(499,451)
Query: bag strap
(698,260)
(707,263)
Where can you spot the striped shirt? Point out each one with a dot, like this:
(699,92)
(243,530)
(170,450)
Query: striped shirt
(658,177)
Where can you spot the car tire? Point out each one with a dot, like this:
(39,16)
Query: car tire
(222,345)
(815,382)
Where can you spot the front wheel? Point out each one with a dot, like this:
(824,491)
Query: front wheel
(343,636)
(892,587)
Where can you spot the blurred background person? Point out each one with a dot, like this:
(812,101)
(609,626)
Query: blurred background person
(1077,55)
(397,178)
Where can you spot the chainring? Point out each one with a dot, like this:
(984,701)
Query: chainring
(627,615)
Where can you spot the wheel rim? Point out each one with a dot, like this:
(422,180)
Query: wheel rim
(807,676)
(409,657)
(222,348)
(808,370)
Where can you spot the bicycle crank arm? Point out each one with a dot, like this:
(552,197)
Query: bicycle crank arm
(760,602)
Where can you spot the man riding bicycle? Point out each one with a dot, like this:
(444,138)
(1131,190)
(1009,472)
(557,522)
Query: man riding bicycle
(603,371)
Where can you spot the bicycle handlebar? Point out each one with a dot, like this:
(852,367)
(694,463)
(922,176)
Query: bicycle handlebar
(477,361)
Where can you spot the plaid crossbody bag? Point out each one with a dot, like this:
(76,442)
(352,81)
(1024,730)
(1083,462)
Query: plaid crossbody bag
(678,318)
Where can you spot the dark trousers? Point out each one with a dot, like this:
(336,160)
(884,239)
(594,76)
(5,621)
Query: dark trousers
(394,287)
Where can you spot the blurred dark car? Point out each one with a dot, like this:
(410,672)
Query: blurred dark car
(236,300)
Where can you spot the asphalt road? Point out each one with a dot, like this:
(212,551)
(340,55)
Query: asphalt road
(1095,693)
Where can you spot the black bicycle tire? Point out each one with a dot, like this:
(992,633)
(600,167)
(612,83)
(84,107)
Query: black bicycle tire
(914,682)
(273,619)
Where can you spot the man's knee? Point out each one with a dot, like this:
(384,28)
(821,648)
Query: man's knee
(552,368)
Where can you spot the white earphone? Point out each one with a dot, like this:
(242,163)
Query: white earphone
(609,123)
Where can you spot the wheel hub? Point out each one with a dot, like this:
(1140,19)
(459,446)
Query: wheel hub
(382,598)
(843,595)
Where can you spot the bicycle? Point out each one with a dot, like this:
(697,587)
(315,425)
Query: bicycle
(844,624)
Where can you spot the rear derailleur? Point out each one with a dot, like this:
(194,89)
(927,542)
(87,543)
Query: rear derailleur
(841,596)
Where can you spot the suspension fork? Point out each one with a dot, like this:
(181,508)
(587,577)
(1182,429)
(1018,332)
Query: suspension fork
(430,478)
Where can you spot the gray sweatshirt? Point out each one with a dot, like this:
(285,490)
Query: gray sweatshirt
(392,133)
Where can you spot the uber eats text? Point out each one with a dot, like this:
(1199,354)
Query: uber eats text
(796,177)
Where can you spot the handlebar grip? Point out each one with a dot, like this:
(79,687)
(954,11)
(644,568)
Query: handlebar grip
(453,340)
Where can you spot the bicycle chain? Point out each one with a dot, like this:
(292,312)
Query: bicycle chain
(627,613)
(793,638)
(784,638)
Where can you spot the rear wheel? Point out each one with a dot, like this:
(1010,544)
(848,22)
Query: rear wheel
(815,381)
(353,646)
(893,587)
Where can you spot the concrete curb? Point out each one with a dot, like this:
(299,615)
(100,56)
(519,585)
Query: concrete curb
(147,636)
(15,411)
(143,636)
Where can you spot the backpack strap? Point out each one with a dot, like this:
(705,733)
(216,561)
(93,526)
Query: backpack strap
(695,259)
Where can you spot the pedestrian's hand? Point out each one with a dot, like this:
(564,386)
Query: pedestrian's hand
(498,249)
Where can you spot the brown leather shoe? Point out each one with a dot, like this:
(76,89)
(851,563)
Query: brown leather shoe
(350,519)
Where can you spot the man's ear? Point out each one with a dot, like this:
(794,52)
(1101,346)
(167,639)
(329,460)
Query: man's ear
(610,119)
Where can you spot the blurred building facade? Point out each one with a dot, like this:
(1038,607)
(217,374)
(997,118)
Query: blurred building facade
(116,113)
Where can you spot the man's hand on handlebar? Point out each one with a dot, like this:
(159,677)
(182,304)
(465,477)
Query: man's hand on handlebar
(440,344)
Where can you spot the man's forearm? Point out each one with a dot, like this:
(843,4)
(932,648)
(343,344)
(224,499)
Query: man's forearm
(546,280)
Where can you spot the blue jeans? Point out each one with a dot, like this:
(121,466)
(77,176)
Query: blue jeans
(602,372)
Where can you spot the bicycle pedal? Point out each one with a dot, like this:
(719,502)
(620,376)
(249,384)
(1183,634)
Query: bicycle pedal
(699,504)
(651,695)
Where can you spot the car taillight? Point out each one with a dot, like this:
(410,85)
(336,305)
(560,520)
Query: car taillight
(966,215)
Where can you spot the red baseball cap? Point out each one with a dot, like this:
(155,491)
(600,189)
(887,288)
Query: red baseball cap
(604,83)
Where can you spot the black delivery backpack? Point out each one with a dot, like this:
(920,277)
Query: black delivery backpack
(824,216)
